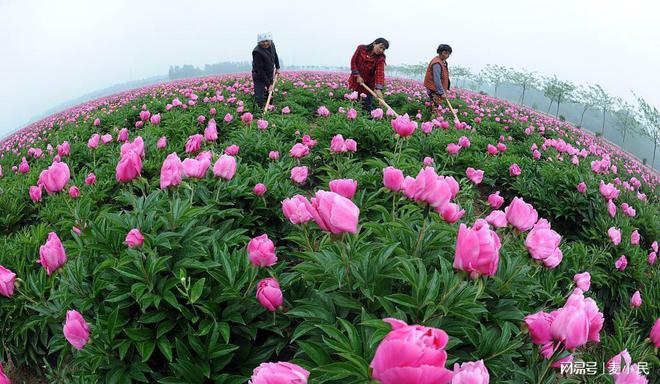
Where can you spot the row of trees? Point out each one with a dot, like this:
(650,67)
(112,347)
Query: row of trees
(630,119)
(187,70)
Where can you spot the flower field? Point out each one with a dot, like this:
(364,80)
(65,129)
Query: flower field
(171,234)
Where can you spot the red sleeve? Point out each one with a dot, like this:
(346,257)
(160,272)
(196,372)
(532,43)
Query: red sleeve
(354,65)
(380,73)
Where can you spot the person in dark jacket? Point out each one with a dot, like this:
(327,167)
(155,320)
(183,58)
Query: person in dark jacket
(265,63)
(437,81)
(368,67)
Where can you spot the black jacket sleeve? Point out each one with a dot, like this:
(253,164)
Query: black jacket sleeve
(274,52)
(258,66)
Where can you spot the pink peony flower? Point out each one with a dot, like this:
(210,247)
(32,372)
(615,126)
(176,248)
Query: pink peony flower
(196,168)
(194,143)
(495,200)
(377,113)
(514,170)
(7,280)
(636,300)
(497,219)
(450,212)
(295,209)
(261,251)
(464,142)
(162,143)
(655,333)
(279,373)
(55,178)
(477,249)
(74,192)
(520,214)
(299,174)
(259,189)
(344,187)
(621,263)
(615,235)
(543,244)
(453,149)
(232,150)
(134,238)
(299,150)
(393,179)
(76,330)
(475,175)
(582,280)
(634,237)
(473,372)
(262,124)
(403,126)
(269,294)
(129,167)
(171,173)
(333,212)
(225,167)
(52,255)
(411,354)
(35,193)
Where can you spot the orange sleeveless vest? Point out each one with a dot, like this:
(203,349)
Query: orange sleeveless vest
(428,79)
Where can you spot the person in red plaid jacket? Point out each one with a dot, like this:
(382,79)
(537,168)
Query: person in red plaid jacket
(368,67)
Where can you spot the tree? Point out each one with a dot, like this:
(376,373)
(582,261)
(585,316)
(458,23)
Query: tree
(525,79)
(415,70)
(650,119)
(557,90)
(585,96)
(550,90)
(626,118)
(604,102)
(495,74)
(462,73)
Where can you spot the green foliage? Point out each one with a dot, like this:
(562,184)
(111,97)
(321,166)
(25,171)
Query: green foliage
(181,308)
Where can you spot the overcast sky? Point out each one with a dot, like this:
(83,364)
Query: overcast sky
(54,51)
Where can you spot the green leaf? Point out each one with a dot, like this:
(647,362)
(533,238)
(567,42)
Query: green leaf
(112,322)
(165,348)
(196,290)
(222,350)
(139,334)
(146,348)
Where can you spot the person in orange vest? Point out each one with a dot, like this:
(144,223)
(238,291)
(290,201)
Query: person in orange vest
(436,80)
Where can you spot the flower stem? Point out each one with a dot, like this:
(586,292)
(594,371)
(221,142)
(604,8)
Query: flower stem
(309,245)
(344,253)
(421,232)
(393,206)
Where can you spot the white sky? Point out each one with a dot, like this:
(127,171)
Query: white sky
(54,51)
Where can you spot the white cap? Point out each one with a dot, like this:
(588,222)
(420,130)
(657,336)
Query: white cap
(264,36)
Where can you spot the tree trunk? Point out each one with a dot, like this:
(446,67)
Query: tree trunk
(655,145)
(523,97)
(496,85)
(583,112)
(625,130)
(602,130)
(550,106)
(558,100)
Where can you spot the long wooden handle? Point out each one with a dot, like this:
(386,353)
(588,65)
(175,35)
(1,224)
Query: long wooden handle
(379,99)
(270,94)
(452,111)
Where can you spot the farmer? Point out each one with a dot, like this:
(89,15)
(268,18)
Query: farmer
(436,80)
(368,67)
(264,64)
